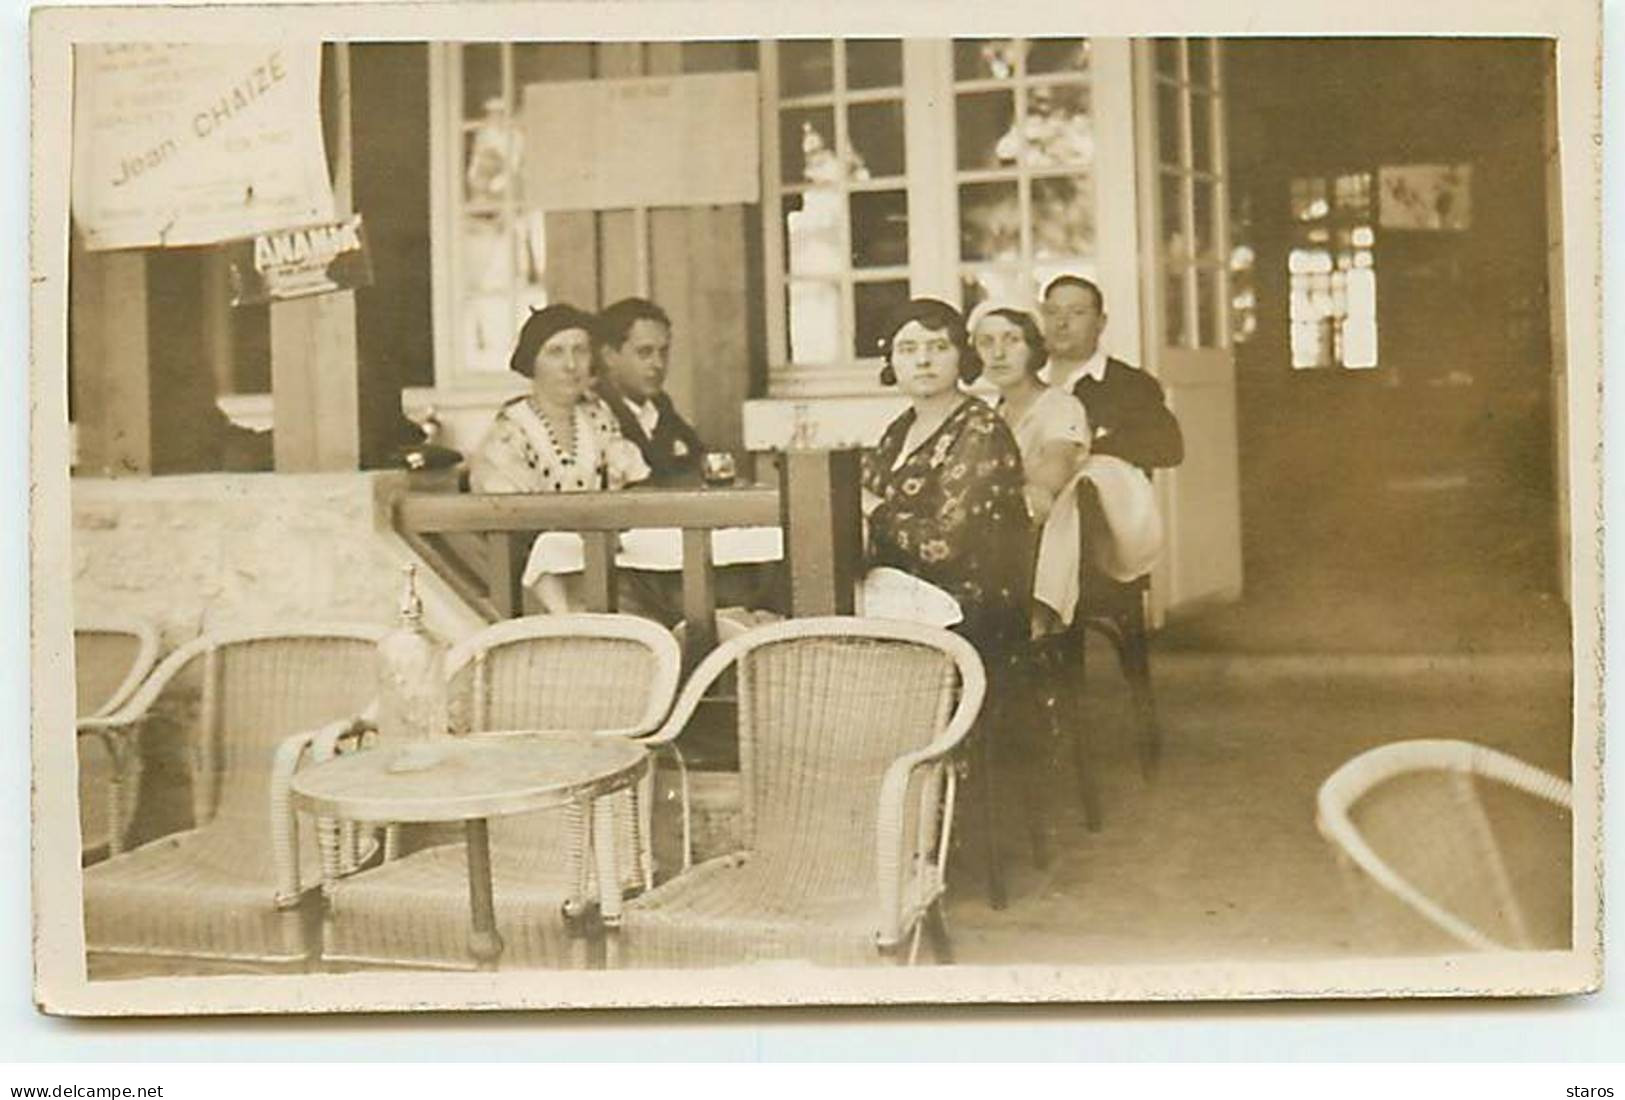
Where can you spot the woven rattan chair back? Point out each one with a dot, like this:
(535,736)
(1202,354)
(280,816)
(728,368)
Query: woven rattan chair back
(258,690)
(607,674)
(1473,845)
(821,718)
(237,702)
(111,658)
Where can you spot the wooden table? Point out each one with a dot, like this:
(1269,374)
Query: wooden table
(479,777)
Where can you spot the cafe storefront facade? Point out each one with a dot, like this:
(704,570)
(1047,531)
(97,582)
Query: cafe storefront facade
(882,169)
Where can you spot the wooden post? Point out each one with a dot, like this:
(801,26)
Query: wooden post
(506,552)
(315,373)
(112,375)
(699,594)
(598,548)
(823,529)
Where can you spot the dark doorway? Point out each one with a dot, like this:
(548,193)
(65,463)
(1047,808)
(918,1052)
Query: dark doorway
(1396,455)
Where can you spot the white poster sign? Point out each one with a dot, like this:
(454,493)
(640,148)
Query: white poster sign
(645,142)
(194,144)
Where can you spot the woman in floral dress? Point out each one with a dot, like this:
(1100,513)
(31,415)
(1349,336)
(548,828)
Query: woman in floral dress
(943,490)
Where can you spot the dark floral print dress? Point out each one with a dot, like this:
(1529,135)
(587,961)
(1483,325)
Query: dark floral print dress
(952,513)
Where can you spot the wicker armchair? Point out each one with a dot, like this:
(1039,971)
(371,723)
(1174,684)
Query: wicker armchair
(612,674)
(111,658)
(846,727)
(1476,843)
(231,886)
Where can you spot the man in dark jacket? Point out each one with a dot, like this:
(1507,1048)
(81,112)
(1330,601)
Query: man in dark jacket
(634,344)
(1127,412)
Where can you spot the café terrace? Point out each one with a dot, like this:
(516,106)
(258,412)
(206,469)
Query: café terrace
(275,457)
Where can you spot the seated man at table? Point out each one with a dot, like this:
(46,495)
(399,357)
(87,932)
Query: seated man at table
(634,351)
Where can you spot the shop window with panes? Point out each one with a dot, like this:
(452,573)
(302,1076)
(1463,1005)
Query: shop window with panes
(1332,269)
(497,255)
(960,169)
(1191,203)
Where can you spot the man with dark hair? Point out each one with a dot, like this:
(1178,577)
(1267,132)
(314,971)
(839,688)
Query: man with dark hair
(634,345)
(1126,408)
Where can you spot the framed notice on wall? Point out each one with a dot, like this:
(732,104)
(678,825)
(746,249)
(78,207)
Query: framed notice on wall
(195,144)
(645,142)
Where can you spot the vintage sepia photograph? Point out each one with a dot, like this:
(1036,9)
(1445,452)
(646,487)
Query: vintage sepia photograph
(539,508)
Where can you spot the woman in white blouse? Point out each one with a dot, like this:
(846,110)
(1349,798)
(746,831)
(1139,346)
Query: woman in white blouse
(559,438)
(1052,431)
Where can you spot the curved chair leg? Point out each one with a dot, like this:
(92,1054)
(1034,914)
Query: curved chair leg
(1037,690)
(936,927)
(995,870)
(1127,634)
(1136,658)
(1082,740)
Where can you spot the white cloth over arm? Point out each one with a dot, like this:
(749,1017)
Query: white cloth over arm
(1129,504)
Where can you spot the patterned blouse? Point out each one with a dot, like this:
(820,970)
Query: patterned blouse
(952,513)
(520,455)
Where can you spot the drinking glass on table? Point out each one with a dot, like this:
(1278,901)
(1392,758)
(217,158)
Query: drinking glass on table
(718,468)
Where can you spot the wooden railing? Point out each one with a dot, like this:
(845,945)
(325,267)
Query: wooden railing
(479,542)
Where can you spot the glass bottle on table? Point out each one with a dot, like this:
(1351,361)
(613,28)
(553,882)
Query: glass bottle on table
(412,686)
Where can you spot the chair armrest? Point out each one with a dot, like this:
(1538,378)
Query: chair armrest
(115,738)
(284,819)
(706,673)
(344,845)
(907,885)
(342,737)
(898,910)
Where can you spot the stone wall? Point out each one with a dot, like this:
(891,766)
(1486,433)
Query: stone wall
(197,553)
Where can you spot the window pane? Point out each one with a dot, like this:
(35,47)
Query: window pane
(807,146)
(1170,147)
(874,63)
(1063,217)
(806,67)
(1176,244)
(1205,240)
(876,132)
(986,129)
(1309,199)
(1058,131)
(814,315)
(1311,344)
(1058,55)
(872,304)
(813,243)
(879,228)
(1199,51)
(1004,284)
(488,168)
(989,221)
(1173,311)
(482,80)
(1207,307)
(1353,194)
(530,250)
(985,58)
(487,326)
(1167,51)
(1202,132)
(1360,329)
(485,255)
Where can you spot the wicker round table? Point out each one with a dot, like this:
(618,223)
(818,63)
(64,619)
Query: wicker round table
(475,778)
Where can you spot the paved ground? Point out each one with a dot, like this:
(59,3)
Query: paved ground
(1218,857)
